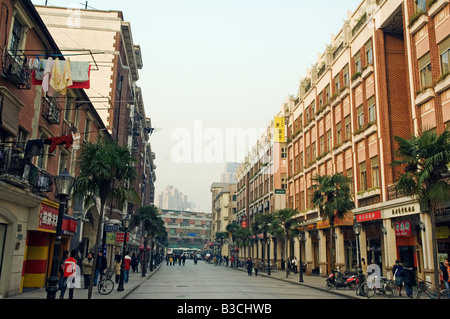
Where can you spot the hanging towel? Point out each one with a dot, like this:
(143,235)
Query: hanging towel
(47,75)
(67,78)
(56,81)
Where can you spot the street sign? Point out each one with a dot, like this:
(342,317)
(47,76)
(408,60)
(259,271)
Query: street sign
(120,237)
(192,234)
(280,191)
(112,228)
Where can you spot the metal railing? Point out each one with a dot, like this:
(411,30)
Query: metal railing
(16,70)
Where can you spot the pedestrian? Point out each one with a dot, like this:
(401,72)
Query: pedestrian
(294,264)
(184,259)
(127,262)
(134,262)
(226,260)
(100,266)
(256,266)
(397,271)
(171,260)
(61,267)
(445,268)
(408,278)
(70,268)
(117,265)
(88,265)
(249,266)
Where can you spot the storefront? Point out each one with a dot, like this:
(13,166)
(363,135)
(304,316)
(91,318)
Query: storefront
(443,235)
(40,242)
(371,237)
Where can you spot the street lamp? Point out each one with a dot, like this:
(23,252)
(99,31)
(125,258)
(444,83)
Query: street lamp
(268,256)
(301,237)
(357,230)
(126,224)
(63,184)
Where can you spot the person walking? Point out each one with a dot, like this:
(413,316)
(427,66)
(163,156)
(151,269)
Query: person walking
(408,278)
(249,266)
(100,266)
(134,262)
(256,266)
(294,264)
(88,266)
(126,272)
(117,265)
(397,271)
(70,268)
(445,268)
(61,267)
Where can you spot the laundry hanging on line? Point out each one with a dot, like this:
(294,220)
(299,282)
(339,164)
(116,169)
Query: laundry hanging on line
(36,147)
(42,73)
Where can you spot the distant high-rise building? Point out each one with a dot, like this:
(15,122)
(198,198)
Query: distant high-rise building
(229,173)
(172,198)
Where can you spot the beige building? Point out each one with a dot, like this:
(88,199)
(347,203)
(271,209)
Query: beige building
(223,210)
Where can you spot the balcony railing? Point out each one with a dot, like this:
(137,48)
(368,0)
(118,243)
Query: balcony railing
(15,170)
(16,70)
(51,110)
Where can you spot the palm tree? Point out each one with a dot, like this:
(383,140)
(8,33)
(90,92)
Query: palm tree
(221,237)
(288,222)
(106,169)
(425,159)
(333,198)
(262,224)
(153,223)
(232,230)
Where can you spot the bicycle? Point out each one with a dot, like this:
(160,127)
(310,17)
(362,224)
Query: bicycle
(106,285)
(387,288)
(424,287)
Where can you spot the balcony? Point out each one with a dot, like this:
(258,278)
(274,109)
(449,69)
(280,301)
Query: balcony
(51,110)
(15,70)
(16,171)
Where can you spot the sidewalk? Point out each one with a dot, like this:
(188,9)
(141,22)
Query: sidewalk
(318,282)
(134,282)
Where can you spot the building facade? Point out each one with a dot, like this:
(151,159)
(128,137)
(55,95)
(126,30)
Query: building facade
(223,211)
(40,135)
(186,230)
(384,74)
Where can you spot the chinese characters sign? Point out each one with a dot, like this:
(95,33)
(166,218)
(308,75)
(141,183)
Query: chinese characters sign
(403,228)
(368,216)
(48,218)
(279,130)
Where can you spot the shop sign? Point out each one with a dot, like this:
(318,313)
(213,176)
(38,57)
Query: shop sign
(403,210)
(365,217)
(403,228)
(346,221)
(121,236)
(48,218)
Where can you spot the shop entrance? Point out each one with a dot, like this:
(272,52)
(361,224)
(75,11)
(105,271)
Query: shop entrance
(406,255)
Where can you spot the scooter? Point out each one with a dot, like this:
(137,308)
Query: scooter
(337,280)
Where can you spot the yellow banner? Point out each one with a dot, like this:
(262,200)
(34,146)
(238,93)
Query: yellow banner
(279,130)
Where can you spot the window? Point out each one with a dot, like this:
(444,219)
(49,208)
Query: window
(375,175)
(360,117)
(350,176)
(339,133)
(346,77)
(444,49)
(421,5)
(348,127)
(327,94)
(314,151)
(337,84)
(329,141)
(372,110)
(87,129)
(369,52)
(63,161)
(425,72)
(322,144)
(283,152)
(16,36)
(358,63)
(363,176)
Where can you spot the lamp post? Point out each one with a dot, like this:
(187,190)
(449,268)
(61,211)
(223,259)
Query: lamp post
(268,256)
(301,236)
(126,224)
(63,183)
(357,230)
(143,259)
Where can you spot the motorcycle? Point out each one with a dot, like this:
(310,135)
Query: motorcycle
(338,280)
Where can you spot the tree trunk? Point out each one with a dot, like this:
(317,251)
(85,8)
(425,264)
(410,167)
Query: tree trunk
(98,242)
(435,253)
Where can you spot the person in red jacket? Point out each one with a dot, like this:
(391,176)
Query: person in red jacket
(69,273)
(126,273)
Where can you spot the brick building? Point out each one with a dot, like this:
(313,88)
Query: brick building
(384,74)
(28,116)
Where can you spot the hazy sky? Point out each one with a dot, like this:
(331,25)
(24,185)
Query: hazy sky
(214,66)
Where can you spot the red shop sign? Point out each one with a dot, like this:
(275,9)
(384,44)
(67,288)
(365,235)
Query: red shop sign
(368,216)
(403,228)
(120,236)
(48,218)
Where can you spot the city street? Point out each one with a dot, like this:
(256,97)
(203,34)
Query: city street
(206,281)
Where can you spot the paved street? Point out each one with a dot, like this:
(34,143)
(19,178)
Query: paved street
(206,281)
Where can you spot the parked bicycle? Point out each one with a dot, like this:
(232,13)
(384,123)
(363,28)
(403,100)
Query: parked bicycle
(106,285)
(387,288)
(424,289)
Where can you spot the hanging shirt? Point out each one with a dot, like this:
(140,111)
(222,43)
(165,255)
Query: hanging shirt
(56,81)
(47,75)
